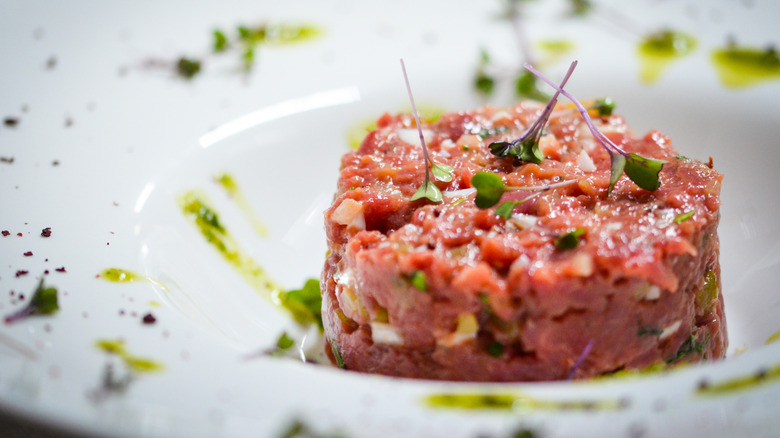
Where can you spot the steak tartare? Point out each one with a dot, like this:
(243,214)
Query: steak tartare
(451,291)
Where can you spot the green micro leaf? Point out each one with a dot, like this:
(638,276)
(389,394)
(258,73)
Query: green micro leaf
(187,68)
(489,187)
(618,164)
(506,209)
(305,303)
(484,83)
(284,342)
(644,171)
(526,86)
(569,240)
(684,217)
(429,191)
(43,302)
(220,41)
(442,172)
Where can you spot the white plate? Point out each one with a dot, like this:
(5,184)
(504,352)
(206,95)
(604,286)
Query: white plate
(128,139)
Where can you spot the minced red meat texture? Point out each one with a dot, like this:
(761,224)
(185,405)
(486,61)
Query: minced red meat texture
(450,291)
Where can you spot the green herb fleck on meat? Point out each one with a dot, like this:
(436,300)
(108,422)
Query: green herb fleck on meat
(495,349)
(690,346)
(684,217)
(569,240)
(418,280)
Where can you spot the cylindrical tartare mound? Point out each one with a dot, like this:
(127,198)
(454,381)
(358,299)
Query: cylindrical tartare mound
(450,291)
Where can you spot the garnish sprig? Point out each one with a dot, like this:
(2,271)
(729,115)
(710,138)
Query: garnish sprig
(442,172)
(641,170)
(526,147)
(490,189)
(43,302)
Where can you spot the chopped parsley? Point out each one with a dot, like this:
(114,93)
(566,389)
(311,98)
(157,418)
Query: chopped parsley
(418,280)
(684,217)
(187,67)
(569,240)
(690,346)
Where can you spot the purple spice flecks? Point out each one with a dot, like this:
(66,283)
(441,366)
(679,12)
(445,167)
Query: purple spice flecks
(61,269)
(46,232)
(19,234)
(21,272)
(28,254)
(6,233)
(149,319)
(11,122)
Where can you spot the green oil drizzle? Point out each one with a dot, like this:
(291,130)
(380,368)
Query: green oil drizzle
(119,275)
(234,192)
(134,363)
(196,208)
(553,50)
(357,132)
(740,384)
(658,50)
(515,402)
(741,67)
(773,338)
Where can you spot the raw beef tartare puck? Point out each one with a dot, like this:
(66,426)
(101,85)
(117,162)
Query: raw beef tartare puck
(576,282)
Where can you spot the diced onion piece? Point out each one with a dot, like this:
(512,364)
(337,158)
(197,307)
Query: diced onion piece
(669,330)
(458,193)
(549,146)
(585,162)
(412,136)
(523,221)
(653,293)
(349,213)
(467,329)
(382,333)
(580,265)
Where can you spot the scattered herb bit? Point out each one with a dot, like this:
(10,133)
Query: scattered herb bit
(337,354)
(643,171)
(284,342)
(187,68)
(684,217)
(524,433)
(419,281)
(495,349)
(11,122)
(305,303)
(526,147)
(428,189)
(604,107)
(46,232)
(220,41)
(690,346)
(489,132)
(298,429)
(8,160)
(43,302)
(148,319)
(569,240)
(649,331)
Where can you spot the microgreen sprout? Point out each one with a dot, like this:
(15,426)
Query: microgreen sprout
(526,147)
(43,302)
(684,217)
(490,189)
(580,360)
(442,172)
(641,170)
